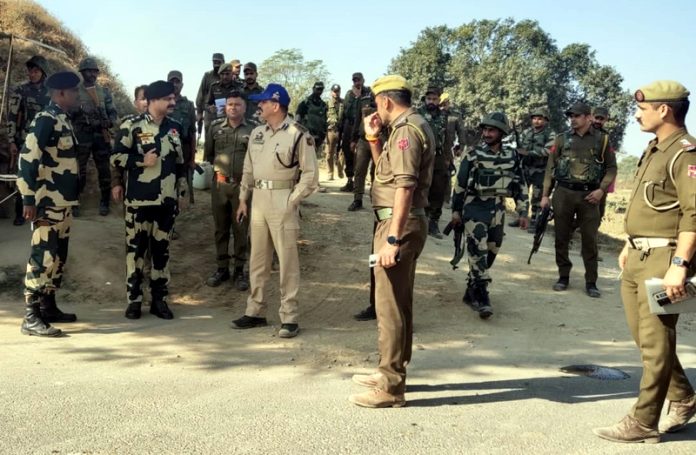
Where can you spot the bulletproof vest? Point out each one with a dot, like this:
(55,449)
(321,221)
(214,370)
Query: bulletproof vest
(585,166)
(365,111)
(315,120)
(530,140)
(492,174)
(438,123)
(181,115)
(90,116)
(35,100)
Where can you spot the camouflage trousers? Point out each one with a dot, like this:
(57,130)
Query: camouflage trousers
(99,151)
(333,155)
(483,241)
(148,228)
(535,179)
(49,250)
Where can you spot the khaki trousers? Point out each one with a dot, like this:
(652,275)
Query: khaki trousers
(656,337)
(274,225)
(394,303)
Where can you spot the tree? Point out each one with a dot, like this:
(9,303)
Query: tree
(627,168)
(288,68)
(513,67)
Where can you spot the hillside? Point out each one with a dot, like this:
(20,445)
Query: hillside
(29,20)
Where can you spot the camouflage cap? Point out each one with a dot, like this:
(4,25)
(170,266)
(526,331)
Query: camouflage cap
(540,112)
(39,62)
(579,108)
(496,120)
(175,74)
(661,91)
(600,112)
(391,82)
(218,57)
(88,63)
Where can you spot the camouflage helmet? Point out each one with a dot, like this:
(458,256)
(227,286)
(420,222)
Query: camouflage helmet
(39,62)
(496,120)
(540,112)
(88,63)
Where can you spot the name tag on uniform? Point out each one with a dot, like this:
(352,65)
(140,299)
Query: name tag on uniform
(258,139)
(146,138)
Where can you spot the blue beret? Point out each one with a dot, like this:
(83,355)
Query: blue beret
(63,80)
(159,89)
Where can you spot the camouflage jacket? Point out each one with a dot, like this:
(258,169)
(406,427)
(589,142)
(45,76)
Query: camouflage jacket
(311,113)
(25,102)
(162,183)
(219,91)
(251,106)
(226,147)
(48,171)
(485,178)
(438,123)
(334,115)
(90,118)
(204,89)
(185,113)
(537,145)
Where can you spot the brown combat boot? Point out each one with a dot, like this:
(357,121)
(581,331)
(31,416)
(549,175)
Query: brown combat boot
(367,380)
(628,430)
(678,415)
(377,398)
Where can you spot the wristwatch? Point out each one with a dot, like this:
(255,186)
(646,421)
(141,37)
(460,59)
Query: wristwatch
(393,240)
(680,262)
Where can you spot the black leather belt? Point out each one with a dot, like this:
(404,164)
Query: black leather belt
(579,186)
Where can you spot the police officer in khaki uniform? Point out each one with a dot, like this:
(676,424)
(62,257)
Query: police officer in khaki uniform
(404,169)
(582,165)
(661,227)
(225,146)
(280,168)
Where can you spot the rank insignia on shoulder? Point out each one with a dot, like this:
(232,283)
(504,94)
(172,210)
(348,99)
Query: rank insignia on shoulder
(691,171)
(403,144)
(687,146)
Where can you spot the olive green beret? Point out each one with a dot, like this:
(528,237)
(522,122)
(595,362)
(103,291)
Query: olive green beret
(600,112)
(659,91)
(391,82)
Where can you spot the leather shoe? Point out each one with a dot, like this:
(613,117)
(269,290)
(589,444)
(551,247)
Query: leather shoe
(678,415)
(628,429)
(377,398)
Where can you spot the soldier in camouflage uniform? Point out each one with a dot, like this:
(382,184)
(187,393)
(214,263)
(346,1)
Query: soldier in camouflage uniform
(220,90)
(148,146)
(534,146)
(185,113)
(202,112)
(430,110)
(334,119)
(251,87)
(225,146)
(488,174)
(49,184)
(311,113)
(93,119)
(24,103)
(358,97)
(600,116)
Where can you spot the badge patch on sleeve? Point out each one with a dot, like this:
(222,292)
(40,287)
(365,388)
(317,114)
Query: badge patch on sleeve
(403,144)
(691,171)
(310,141)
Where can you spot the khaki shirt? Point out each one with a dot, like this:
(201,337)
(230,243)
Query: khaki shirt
(675,200)
(406,161)
(226,147)
(270,157)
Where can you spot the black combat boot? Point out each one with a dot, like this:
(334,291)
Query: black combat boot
(160,309)
(469,297)
(368,314)
(348,187)
(104,207)
(50,311)
(484,302)
(134,310)
(434,229)
(240,279)
(220,275)
(33,324)
(355,205)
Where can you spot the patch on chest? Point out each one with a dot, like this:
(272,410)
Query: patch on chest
(146,138)
(258,138)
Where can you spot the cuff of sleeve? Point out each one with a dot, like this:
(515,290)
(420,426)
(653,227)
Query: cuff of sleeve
(405,181)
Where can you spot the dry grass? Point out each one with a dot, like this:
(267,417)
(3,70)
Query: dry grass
(27,19)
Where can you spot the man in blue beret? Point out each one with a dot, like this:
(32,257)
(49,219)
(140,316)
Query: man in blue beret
(48,181)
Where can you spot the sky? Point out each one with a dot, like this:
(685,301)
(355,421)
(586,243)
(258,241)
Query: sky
(143,40)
